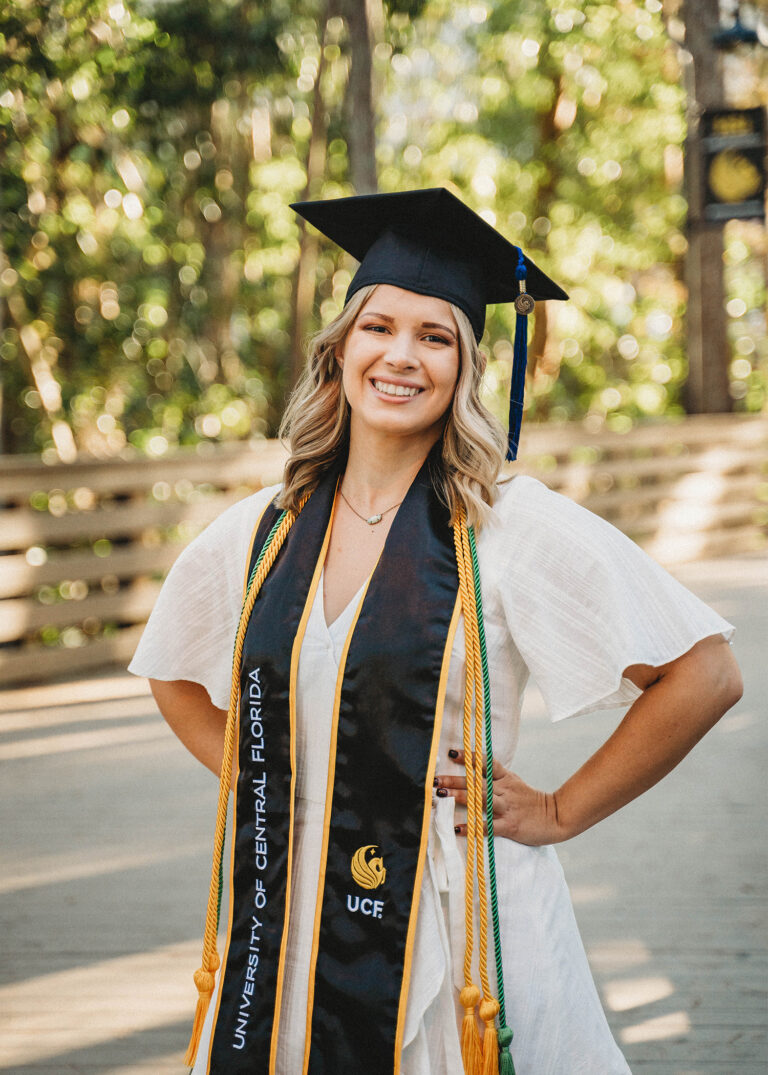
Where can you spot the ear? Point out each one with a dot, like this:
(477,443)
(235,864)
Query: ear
(338,354)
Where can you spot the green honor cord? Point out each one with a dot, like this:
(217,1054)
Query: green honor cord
(506,1064)
(256,566)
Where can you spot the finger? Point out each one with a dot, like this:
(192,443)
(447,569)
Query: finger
(457,794)
(498,769)
(450,781)
(499,815)
(460,795)
(461,830)
(457,755)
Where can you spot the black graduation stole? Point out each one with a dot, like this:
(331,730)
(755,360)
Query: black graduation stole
(386,727)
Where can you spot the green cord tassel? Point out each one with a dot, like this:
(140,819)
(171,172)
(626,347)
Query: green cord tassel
(506,1063)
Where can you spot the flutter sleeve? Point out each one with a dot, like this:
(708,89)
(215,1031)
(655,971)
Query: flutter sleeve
(583,602)
(191,631)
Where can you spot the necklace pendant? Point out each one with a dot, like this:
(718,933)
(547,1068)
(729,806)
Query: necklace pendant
(373,519)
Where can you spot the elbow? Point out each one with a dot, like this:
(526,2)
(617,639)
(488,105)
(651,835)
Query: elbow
(734,687)
(729,683)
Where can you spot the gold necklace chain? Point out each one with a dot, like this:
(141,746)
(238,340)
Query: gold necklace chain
(372,520)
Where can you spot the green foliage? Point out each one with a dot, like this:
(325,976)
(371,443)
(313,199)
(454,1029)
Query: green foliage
(150,154)
(557,130)
(745,280)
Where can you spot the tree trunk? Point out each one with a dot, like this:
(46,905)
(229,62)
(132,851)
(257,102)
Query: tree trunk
(358,100)
(303,298)
(42,377)
(706,391)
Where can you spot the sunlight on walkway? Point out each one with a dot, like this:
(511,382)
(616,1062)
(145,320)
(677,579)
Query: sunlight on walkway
(661,1028)
(62,744)
(59,869)
(78,1008)
(622,995)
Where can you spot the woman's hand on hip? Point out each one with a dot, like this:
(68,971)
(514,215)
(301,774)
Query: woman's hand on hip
(680,701)
(520,812)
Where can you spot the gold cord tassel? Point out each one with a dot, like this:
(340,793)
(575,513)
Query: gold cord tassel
(205,981)
(204,976)
(471,1049)
(489,1009)
(478,1059)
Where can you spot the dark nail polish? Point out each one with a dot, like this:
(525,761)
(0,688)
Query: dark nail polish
(442,792)
(436,782)
(453,753)
(457,829)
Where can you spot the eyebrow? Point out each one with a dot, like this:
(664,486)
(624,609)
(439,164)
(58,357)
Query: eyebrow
(424,324)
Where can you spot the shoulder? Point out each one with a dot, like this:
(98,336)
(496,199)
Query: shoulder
(523,494)
(532,497)
(526,504)
(534,529)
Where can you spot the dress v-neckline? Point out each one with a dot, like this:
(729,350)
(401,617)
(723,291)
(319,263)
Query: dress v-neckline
(344,614)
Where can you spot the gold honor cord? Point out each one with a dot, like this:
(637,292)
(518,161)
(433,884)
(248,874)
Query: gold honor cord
(479,1058)
(205,975)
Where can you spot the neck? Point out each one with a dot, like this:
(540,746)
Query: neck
(382,468)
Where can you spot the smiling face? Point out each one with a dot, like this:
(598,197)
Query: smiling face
(400,364)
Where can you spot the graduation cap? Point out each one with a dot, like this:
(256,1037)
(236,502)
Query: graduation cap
(428,241)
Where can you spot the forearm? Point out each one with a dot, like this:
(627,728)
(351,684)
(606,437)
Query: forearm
(194,718)
(665,722)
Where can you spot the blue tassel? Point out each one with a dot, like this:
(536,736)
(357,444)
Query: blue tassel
(519,362)
(517,388)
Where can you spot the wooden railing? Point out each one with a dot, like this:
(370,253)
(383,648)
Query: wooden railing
(84,546)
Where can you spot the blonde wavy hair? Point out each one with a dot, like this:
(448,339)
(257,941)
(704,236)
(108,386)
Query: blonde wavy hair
(316,423)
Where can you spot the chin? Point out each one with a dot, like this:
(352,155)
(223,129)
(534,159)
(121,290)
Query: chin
(398,427)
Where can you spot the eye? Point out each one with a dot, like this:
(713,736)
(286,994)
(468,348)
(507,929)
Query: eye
(434,338)
(375,328)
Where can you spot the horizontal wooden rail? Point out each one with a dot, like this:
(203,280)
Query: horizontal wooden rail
(84,546)
(254,465)
(25,527)
(18,577)
(132,605)
(36,664)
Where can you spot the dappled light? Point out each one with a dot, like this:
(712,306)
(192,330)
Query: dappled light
(58,744)
(624,994)
(591,894)
(660,1028)
(77,1008)
(737,722)
(59,869)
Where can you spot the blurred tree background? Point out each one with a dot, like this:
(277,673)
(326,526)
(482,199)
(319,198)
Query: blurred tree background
(153,292)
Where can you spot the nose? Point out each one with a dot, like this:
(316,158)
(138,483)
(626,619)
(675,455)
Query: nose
(400,352)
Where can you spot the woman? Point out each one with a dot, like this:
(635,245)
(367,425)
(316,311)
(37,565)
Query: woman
(355,925)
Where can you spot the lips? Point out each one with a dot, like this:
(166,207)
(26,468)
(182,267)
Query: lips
(389,389)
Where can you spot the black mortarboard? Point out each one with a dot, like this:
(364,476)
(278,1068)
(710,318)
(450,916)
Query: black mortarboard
(430,242)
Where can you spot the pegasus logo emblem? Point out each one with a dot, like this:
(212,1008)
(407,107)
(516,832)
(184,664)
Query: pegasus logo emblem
(368,868)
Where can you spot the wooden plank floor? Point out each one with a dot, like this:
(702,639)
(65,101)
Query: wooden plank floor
(105,846)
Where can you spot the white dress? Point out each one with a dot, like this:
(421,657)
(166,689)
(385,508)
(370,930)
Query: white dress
(568,599)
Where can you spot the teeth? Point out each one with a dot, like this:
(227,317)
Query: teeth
(395,389)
